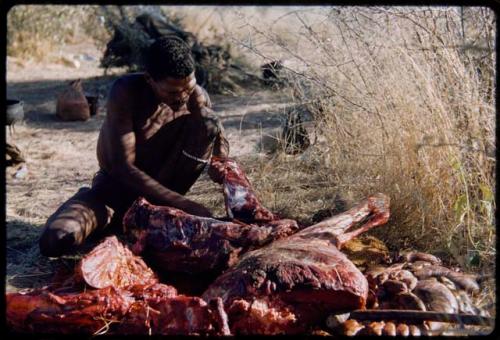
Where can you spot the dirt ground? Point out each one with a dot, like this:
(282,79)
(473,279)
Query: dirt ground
(60,156)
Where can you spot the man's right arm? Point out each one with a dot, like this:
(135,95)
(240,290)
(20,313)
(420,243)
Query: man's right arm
(120,146)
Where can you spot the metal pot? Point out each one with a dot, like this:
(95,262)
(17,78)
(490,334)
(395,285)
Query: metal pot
(15,111)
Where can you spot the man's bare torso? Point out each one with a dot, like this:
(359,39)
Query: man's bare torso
(163,137)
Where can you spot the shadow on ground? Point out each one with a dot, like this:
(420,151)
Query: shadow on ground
(26,268)
(254,120)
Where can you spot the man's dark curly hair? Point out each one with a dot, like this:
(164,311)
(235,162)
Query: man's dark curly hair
(169,56)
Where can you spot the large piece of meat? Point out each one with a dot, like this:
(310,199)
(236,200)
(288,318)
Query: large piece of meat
(294,283)
(177,241)
(129,300)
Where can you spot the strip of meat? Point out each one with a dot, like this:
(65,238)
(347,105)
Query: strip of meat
(436,296)
(419,256)
(394,287)
(404,276)
(465,281)
(402,329)
(389,329)
(374,328)
(241,202)
(410,301)
(351,327)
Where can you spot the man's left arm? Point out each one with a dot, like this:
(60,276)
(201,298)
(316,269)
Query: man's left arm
(221,145)
(201,100)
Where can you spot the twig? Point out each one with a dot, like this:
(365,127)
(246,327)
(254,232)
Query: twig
(16,250)
(30,275)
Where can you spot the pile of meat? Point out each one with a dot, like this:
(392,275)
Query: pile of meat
(417,295)
(120,295)
(273,276)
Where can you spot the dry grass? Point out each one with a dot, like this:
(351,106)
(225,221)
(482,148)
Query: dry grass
(405,112)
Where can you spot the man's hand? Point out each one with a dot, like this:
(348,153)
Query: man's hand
(194,208)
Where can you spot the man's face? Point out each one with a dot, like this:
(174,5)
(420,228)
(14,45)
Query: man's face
(173,92)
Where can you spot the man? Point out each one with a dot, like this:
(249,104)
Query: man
(158,136)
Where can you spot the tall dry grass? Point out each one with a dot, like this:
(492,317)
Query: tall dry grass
(408,110)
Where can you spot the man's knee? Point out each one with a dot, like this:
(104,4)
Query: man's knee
(70,225)
(59,237)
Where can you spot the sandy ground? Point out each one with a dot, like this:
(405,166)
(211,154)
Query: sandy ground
(60,156)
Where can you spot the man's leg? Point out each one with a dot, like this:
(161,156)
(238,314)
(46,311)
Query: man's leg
(73,222)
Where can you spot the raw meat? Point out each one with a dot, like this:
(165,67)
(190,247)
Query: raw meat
(129,301)
(112,264)
(419,283)
(240,199)
(177,241)
(139,309)
(294,282)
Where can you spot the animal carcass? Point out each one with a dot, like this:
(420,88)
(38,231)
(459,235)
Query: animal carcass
(295,282)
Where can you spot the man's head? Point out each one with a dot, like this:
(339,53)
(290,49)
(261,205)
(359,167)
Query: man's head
(170,70)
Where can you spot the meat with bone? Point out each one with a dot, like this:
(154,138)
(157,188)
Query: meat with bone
(240,199)
(177,241)
(43,311)
(293,283)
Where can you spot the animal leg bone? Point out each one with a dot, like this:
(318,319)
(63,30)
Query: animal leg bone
(374,210)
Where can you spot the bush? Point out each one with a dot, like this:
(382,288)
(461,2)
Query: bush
(403,104)
(33,31)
